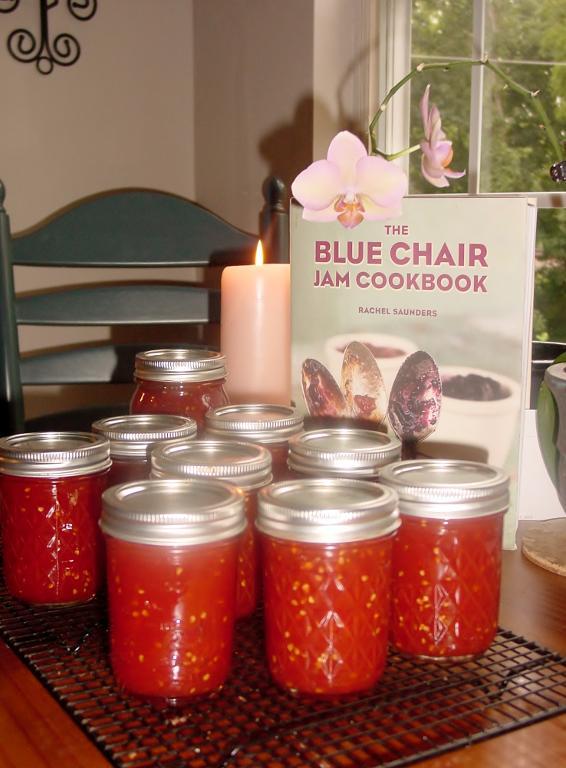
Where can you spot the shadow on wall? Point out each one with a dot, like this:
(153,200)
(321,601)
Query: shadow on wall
(288,148)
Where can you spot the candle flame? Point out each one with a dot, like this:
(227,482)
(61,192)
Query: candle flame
(259,254)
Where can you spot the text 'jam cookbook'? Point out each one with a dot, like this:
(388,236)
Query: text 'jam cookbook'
(420,325)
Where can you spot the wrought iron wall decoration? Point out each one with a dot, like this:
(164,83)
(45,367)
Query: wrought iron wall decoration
(63,49)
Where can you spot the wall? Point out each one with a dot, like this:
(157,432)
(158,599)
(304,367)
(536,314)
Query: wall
(344,47)
(242,81)
(253,100)
(121,116)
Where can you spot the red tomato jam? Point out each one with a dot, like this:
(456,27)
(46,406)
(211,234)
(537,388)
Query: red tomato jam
(132,438)
(171,616)
(247,466)
(127,470)
(327,613)
(182,382)
(446,577)
(52,545)
(172,552)
(447,556)
(192,399)
(247,588)
(279,454)
(265,424)
(326,563)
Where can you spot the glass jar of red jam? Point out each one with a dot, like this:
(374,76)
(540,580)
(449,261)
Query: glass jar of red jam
(247,466)
(183,382)
(447,556)
(172,550)
(133,436)
(50,491)
(326,562)
(342,452)
(268,425)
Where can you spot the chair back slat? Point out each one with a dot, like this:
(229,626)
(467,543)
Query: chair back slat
(120,305)
(120,228)
(100,364)
(133,228)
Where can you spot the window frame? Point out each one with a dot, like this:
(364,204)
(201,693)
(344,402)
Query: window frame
(393,61)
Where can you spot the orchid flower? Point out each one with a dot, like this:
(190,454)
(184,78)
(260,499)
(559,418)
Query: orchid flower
(350,186)
(437,150)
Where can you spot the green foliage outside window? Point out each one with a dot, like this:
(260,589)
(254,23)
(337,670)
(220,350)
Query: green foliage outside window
(516,154)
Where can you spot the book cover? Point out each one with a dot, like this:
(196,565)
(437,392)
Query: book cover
(420,325)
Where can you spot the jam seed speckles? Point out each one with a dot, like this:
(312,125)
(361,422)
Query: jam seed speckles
(446,593)
(59,525)
(186,601)
(326,613)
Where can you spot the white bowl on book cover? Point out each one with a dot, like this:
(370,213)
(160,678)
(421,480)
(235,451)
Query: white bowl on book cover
(474,428)
(389,351)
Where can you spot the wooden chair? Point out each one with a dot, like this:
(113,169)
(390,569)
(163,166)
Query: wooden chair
(122,228)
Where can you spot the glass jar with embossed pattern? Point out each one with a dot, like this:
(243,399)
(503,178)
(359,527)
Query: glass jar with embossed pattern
(246,465)
(326,561)
(182,382)
(50,490)
(132,438)
(172,548)
(342,452)
(268,425)
(447,556)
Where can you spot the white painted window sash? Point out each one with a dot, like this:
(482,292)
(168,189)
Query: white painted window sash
(391,28)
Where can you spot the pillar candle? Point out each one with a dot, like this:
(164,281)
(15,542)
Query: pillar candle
(255,332)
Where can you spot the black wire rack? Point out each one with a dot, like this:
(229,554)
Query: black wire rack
(418,709)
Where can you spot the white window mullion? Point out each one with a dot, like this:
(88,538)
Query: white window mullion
(394,61)
(390,60)
(476,97)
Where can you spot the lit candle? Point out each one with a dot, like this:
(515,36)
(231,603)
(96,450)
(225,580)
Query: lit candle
(255,334)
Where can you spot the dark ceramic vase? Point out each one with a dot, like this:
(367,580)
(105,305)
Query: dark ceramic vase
(555,380)
(544,353)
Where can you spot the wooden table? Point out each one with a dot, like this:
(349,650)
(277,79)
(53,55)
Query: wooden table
(36,733)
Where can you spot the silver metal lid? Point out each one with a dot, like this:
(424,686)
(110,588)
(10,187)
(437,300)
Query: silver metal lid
(54,454)
(132,435)
(448,489)
(327,510)
(173,512)
(178,365)
(244,464)
(259,422)
(342,451)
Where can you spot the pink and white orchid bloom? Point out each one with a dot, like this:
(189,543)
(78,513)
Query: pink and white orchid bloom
(350,185)
(437,150)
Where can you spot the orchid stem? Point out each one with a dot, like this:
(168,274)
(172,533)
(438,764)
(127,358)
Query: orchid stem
(446,66)
(522,91)
(401,153)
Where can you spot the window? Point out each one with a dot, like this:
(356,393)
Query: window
(496,134)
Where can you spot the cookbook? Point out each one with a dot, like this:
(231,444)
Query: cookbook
(420,325)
